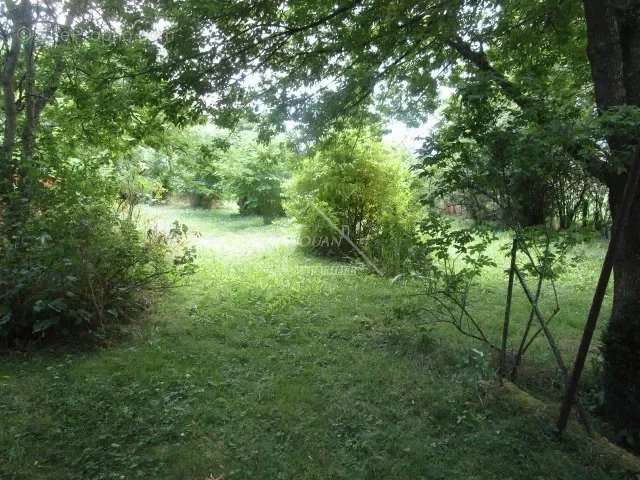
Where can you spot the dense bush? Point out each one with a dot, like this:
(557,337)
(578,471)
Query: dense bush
(255,172)
(187,163)
(80,263)
(355,185)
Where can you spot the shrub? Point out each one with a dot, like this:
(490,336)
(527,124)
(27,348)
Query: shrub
(255,173)
(188,164)
(78,263)
(355,185)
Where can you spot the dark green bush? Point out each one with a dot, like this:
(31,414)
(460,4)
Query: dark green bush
(259,184)
(187,164)
(255,173)
(79,263)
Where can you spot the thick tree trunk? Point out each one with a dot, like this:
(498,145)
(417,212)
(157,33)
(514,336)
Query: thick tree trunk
(613,31)
(621,340)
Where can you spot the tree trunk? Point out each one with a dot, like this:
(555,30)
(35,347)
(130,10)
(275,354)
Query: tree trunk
(613,34)
(621,340)
(9,176)
(30,103)
(530,201)
(8,78)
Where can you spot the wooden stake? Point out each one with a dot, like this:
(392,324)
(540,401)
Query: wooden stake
(552,344)
(525,336)
(507,311)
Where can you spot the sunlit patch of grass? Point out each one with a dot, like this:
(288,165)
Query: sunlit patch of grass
(224,231)
(270,365)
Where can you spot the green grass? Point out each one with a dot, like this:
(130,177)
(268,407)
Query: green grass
(268,365)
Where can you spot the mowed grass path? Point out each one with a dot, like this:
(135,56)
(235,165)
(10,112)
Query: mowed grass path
(274,365)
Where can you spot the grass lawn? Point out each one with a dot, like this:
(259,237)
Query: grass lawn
(271,364)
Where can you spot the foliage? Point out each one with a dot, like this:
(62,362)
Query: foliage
(207,164)
(134,186)
(255,172)
(457,258)
(453,261)
(322,61)
(81,88)
(354,187)
(80,264)
(547,253)
(192,163)
(519,168)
